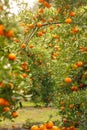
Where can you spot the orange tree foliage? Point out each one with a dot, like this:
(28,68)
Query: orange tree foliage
(44,54)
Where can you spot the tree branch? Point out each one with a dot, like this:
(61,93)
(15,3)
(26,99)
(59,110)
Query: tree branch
(28,38)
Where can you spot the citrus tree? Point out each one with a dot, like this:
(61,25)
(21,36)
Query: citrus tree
(12,77)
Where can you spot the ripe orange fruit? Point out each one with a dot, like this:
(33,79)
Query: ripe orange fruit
(34,127)
(62,108)
(10,33)
(72,14)
(72,128)
(23,45)
(75,30)
(51,20)
(26,31)
(79,63)
(12,56)
(55,36)
(51,27)
(68,80)
(55,128)
(64,128)
(39,24)
(2,84)
(43,20)
(68,20)
(14,114)
(76,89)
(40,33)
(50,45)
(3,102)
(44,31)
(24,65)
(6,109)
(31,46)
(71,106)
(72,88)
(41,11)
(49,125)
(55,54)
(16,40)
(31,25)
(75,66)
(42,127)
(6,103)
(41,1)
(2,29)
(24,75)
(46,4)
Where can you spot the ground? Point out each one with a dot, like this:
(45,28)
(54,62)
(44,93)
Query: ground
(30,113)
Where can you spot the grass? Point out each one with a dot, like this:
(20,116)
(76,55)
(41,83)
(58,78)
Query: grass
(29,112)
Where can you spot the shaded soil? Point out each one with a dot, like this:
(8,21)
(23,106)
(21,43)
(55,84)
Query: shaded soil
(17,128)
(14,127)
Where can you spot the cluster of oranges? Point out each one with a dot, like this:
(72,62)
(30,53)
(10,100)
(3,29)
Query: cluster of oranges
(50,126)
(69,80)
(4,103)
(75,30)
(69,20)
(69,128)
(8,34)
(46,4)
(77,65)
(3,32)
(46,126)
